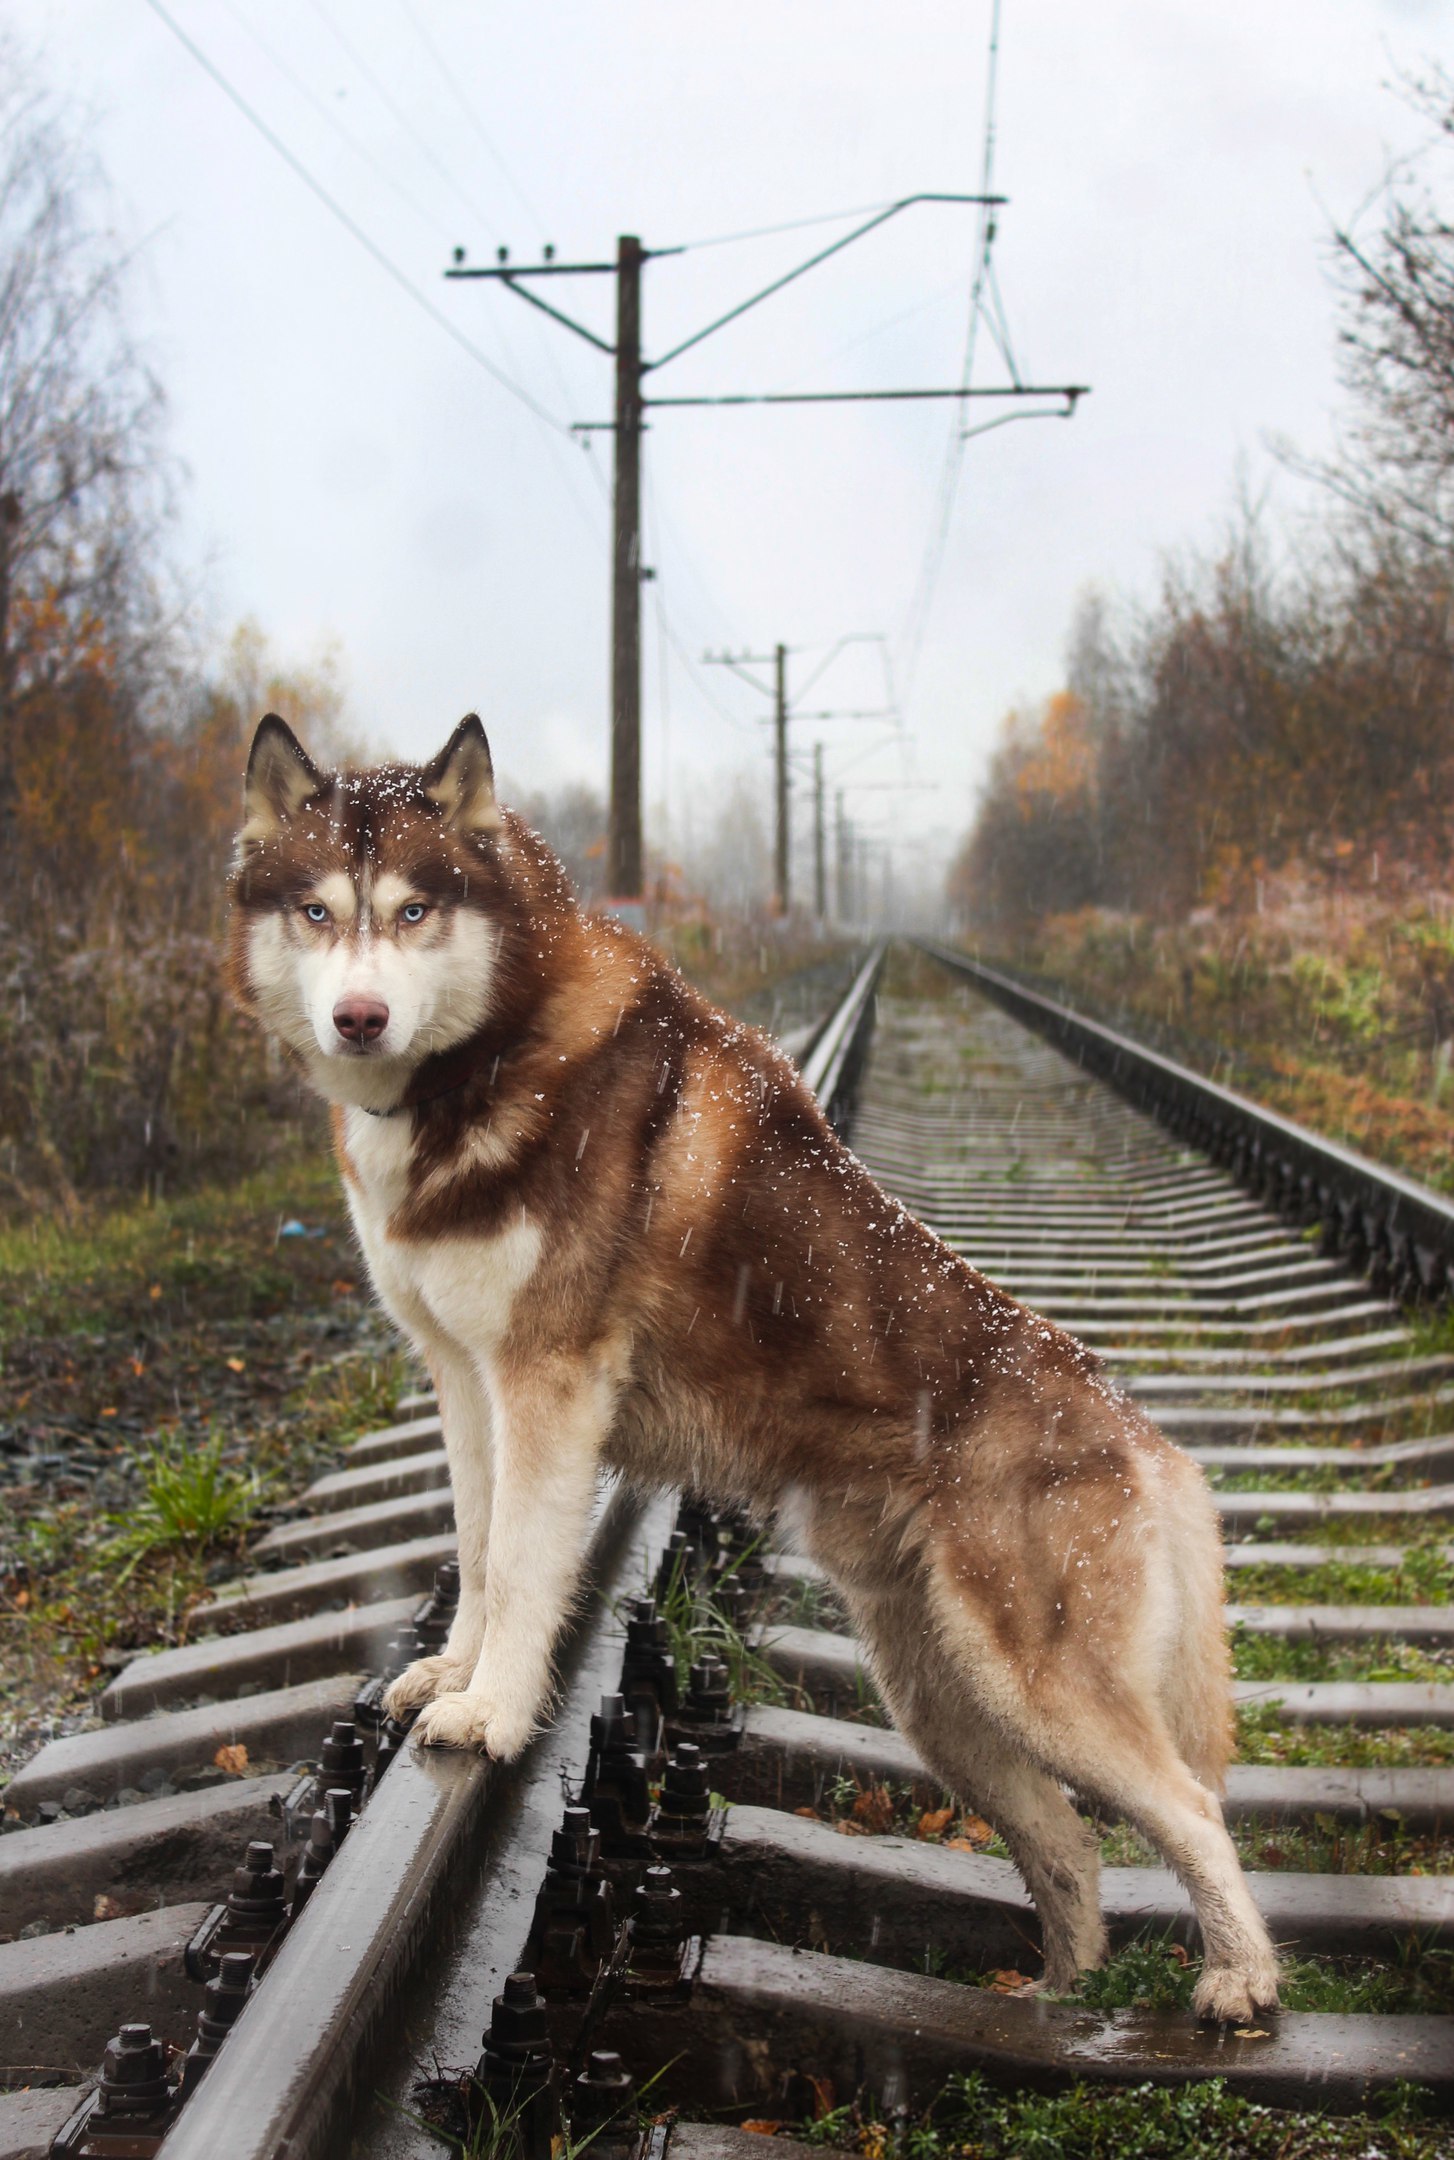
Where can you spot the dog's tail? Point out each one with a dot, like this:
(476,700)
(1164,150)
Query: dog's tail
(1196,1687)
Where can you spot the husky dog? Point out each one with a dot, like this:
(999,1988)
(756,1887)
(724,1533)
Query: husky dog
(619,1231)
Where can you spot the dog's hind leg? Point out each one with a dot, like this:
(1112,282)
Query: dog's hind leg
(1093,1725)
(1055,1852)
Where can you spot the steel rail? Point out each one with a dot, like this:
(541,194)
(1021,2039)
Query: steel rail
(1399,1232)
(288,2081)
(833,1065)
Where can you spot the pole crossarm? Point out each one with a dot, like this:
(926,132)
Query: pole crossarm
(514,275)
(739,663)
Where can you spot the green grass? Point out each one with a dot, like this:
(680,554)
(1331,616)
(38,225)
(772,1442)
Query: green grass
(699,1626)
(972,2119)
(1347,1530)
(75,1588)
(1264,1737)
(211,1252)
(1423,1577)
(1316,1478)
(1322,1846)
(802,1601)
(191,1501)
(1275,1657)
(1155,1973)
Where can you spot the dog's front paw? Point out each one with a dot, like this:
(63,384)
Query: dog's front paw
(421,1682)
(462,1720)
(1235,1995)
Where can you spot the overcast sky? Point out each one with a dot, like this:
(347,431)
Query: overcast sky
(1171,165)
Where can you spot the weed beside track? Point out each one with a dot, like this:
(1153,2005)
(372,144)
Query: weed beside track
(170,1376)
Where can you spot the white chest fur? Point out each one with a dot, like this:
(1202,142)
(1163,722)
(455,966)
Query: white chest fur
(461,1287)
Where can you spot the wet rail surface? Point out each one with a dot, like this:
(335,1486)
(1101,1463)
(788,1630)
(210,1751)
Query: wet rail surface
(804,1931)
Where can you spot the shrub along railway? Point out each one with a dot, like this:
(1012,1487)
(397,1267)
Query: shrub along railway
(838,1926)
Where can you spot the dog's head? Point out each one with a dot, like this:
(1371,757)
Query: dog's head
(369,908)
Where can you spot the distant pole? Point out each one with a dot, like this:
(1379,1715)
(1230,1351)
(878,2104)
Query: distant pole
(841,834)
(626,879)
(780,720)
(820,864)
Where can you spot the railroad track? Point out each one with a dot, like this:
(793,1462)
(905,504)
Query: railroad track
(820,1933)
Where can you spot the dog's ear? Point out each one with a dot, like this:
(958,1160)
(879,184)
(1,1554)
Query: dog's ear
(280,778)
(462,780)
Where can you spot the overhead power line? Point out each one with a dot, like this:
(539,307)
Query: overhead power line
(350,225)
(328,116)
(456,90)
(401,117)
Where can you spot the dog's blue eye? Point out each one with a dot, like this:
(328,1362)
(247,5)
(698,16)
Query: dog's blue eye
(316,911)
(414,912)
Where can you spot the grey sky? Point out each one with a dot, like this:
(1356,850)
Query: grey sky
(355,476)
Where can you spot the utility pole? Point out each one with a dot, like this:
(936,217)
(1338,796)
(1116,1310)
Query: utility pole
(843,851)
(820,866)
(624,851)
(625,871)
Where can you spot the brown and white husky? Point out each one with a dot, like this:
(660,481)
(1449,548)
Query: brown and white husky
(618,1230)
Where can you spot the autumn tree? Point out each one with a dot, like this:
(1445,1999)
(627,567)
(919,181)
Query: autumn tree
(84,484)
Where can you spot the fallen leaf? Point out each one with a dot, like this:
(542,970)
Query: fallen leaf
(109,1411)
(934,1822)
(235,1364)
(1179,1952)
(850,1829)
(976,1829)
(155,1290)
(21,1600)
(344,1289)
(107,1908)
(1249,2032)
(1007,1983)
(231,1757)
(137,1367)
(823,2097)
(874,1809)
(762,2128)
(811,1813)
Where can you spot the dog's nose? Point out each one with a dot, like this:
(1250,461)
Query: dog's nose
(359,1019)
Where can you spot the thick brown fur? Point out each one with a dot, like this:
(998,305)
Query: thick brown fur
(709,1290)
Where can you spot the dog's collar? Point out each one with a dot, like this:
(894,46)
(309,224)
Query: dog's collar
(443,1074)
